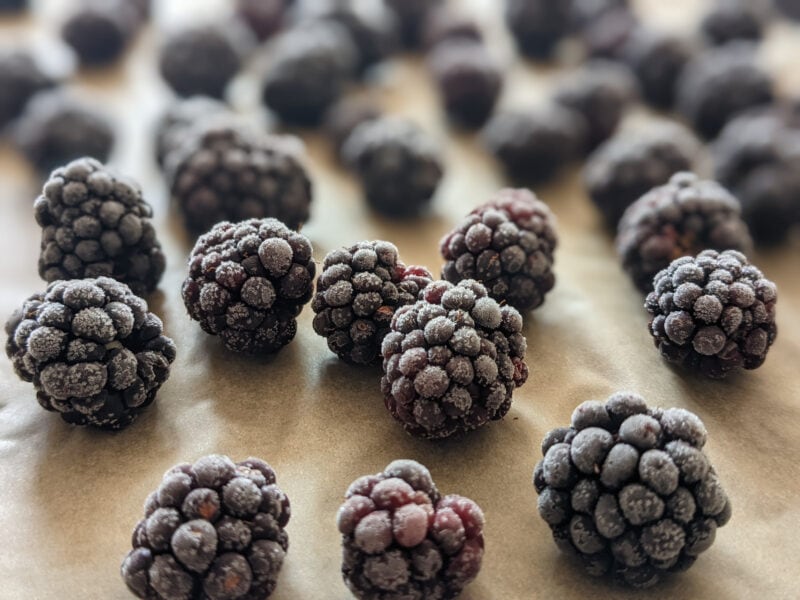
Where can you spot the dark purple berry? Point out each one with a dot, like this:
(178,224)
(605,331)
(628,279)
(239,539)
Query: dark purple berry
(92,350)
(248,282)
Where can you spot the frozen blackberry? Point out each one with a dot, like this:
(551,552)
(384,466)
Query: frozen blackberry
(446,24)
(681,218)
(730,20)
(469,80)
(600,92)
(452,360)
(757,155)
(263,17)
(100,31)
(213,529)
(309,69)
(21,77)
(96,223)
(248,282)
(358,292)
(203,59)
(178,120)
(223,172)
(347,114)
(371,27)
(754,139)
(719,84)
(402,539)
(507,244)
(658,60)
(630,164)
(534,145)
(538,25)
(608,35)
(629,491)
(770,197)
(714,313)
(56,128)
(94,353)
(411,16)
(399,165)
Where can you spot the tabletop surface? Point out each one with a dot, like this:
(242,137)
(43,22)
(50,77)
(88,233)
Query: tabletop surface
(70,497)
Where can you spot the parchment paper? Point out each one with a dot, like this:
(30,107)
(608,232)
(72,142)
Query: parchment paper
(69,498)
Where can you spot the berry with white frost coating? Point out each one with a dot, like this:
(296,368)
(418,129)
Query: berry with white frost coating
(714,313)
(402,540)
(179,119)
(507,245)
(399,164)
(92,350)
(248,282)
(628,490)
(212,530)
(358,292)
(452,360)
(681,218)
(96,223)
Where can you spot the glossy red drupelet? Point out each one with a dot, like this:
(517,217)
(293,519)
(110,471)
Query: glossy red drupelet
(402,540)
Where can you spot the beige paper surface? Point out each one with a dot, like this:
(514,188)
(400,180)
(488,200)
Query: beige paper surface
(69,498)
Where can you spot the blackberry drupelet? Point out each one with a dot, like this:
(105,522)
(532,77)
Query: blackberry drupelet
(213,529)
(100,31)
(96,223)
(309,70)
(730,20)
(629,491)
(401,539)
(248,282)
(658,60)
(507,244)
(720,83)
(358,292)
(21,77)
(344,116)
(534,145)
(180,118)
(223,172)
(445,24)
(600,92)
(411,16)
(714,313)
(203,59)
(56,128)
(538,25)
(681,218)
(632,163)
(372,28)
(263,17)
(469,80)
(94,353)
(399,164)
(452,360)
